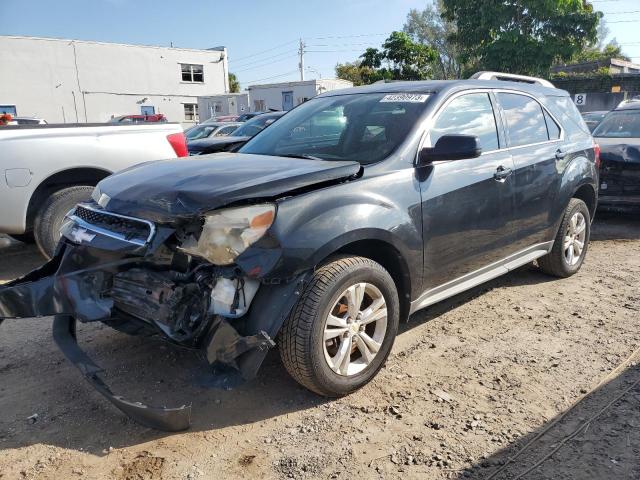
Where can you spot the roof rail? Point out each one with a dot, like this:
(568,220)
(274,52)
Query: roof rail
(511,77)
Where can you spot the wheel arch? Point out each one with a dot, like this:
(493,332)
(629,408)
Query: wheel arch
(588,195)
(387,255)
(62,179)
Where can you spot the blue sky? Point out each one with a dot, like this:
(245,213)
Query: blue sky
(261,35)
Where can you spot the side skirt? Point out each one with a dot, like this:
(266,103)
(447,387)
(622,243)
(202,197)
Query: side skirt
(480,276)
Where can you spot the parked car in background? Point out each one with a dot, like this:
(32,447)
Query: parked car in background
(248,116)
(619,138)
(29,121)
(154,118)
(324,240)
(47,169)
(211,129)
(592,119)
(236,139)
(222,118)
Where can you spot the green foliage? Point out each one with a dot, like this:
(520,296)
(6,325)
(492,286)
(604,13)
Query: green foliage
(234,84)
(521,36)
(429,28)
(356,73)
(400,58)
(594,54)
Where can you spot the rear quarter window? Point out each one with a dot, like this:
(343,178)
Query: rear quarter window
(568,115)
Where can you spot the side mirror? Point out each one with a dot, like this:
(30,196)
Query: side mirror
(451,147)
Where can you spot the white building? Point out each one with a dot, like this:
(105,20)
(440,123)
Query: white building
(221,105)
(285,96)
(78,81)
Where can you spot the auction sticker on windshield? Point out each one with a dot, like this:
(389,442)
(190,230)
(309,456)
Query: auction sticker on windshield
(406,98)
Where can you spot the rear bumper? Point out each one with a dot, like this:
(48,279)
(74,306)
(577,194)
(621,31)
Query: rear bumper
(629,203)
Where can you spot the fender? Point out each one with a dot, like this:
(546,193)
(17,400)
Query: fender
(310,227)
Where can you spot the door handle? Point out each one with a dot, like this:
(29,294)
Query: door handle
(502,173)
(560,154)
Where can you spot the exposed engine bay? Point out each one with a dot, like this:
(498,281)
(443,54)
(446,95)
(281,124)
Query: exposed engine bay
(136,285)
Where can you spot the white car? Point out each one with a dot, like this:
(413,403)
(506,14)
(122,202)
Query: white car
(45,170)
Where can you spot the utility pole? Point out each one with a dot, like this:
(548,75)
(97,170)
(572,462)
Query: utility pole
(301,64)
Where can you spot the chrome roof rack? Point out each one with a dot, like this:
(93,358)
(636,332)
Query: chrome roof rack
(511,77)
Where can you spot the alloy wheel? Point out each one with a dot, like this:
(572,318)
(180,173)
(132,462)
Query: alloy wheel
(574,238)
(355,329)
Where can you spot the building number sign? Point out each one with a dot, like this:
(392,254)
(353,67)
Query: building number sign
(580,99)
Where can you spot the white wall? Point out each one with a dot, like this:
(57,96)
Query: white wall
(40,77)
(271,94)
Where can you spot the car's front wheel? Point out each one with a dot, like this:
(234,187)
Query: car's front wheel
(342,329)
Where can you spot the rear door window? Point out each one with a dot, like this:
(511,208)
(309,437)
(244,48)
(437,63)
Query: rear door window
(470,114)
(525,119)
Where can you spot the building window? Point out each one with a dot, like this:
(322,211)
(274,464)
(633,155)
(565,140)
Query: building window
(10,109)
(192,73)
(191,112)
(258,106)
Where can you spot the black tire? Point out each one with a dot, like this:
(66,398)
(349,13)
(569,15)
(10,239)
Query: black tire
(46,227)
(555,262)
(301,340)
(23,237)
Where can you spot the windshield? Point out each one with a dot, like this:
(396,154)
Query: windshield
(255,125)
(362,127)
(621,124)
(200,131)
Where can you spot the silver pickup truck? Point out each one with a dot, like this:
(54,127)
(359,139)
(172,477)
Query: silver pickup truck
(46,169)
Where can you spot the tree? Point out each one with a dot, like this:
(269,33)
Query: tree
(234,84)
(400,58)
(355,72)
(521,36)
(429,28)
(600,50)
(593,54)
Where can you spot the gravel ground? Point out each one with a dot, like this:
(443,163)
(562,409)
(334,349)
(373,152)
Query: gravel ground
(525,360)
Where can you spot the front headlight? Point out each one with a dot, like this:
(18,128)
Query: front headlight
(229,232)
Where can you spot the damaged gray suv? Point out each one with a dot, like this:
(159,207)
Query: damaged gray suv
(352,211)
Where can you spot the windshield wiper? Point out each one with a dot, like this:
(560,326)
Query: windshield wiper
(300,155)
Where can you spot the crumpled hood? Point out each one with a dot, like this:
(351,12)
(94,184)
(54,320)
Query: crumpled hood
(167,190)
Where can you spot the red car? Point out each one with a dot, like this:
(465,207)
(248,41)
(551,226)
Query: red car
(156,117)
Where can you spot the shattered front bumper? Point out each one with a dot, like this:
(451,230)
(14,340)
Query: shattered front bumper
(74,286)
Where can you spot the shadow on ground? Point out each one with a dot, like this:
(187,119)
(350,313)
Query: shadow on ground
(597,439)
(154,372)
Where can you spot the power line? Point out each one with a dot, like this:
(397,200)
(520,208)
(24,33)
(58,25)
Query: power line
(350,36)
(275,76)
(625,21)
(620,13)
(267,50)
(288,52)
(265,64)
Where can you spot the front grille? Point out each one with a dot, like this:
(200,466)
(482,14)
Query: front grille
(130,229)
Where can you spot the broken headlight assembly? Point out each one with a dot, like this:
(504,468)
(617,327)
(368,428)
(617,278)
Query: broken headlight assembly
(228,232)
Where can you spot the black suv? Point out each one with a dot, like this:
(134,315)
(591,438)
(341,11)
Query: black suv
(354,210)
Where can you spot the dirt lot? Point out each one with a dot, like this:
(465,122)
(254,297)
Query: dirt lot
(469,383)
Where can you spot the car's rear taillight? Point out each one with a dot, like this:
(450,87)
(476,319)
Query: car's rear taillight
(179,144)
(596,151)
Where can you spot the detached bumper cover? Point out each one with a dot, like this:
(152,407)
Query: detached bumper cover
(160,418)
(74,286)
